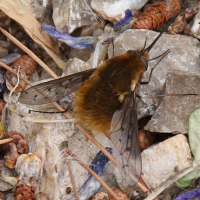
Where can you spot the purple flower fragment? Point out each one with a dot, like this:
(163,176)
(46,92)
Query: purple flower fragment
(75,42)
(124,23)
(10,58)
(91,185)
(189,195)
(2,82)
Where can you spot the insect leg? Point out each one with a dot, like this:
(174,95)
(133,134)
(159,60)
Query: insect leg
(64,111)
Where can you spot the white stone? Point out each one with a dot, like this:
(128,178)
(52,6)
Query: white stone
(114,10)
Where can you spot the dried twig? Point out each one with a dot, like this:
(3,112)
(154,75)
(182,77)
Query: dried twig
(71,175)
(3,141)
(93,173)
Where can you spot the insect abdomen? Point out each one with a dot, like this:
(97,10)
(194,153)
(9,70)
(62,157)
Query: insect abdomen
(102,94)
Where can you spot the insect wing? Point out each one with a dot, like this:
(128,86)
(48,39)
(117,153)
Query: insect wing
(125,140)
(54,90)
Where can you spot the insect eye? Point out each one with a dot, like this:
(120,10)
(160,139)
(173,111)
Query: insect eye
(144,61)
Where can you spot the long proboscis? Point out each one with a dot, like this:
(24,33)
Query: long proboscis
(166,27)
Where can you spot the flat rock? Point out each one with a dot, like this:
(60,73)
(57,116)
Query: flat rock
(173,113)
(164,159)
(184,56)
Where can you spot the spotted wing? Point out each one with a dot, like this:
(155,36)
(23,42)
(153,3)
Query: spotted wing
(54,90)
(125,140)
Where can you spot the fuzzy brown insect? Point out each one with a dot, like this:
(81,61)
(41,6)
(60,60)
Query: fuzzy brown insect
(105,102)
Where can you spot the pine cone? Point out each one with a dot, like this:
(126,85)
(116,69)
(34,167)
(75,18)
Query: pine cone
(24,192)
(26,66)
(156,15)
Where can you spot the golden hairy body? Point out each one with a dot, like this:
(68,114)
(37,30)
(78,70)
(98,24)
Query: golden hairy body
(103,92)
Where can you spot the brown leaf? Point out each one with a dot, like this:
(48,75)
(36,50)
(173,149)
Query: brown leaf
(21,14)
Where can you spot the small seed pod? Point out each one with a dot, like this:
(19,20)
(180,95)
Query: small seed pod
(21,144)
(29,168)
(146,139)
(120,194)
(26,66)
(2,104)
(178,26)
(14,149)
(24,192)
(100,196)
(41,196)
(156,15)
(11,155)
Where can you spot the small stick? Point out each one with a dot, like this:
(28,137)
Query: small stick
(93,173)
(3,141)
(71,175)
(30,53)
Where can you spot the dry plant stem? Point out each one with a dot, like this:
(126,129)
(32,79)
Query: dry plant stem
(41,63)
(172,180)
(93,174)
(71,176)
(3,141)
(30,53)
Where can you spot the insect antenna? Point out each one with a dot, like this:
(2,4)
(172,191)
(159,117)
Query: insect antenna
(158,37)
(144,45)
(161,55)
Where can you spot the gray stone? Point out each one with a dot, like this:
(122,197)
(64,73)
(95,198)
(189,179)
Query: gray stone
(184,56)
(5,172)
(40,9)
(173,113)
(75,65)
(72,14)
(10,196)
(165,159)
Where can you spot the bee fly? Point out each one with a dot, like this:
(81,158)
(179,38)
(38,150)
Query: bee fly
(105,102)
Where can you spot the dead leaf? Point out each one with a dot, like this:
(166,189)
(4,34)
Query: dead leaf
(22,15)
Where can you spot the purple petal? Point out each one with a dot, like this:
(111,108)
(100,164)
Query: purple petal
(189,195)
(75,42)
(10,58)
(123,24)
(2,81)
